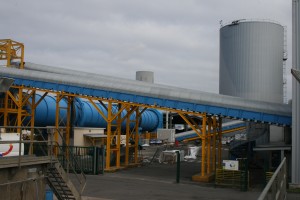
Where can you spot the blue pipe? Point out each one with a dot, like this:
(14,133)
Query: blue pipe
(86,114)
(46,110)
(89,117)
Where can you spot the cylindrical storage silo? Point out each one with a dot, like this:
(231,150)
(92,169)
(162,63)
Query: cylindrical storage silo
(145,76)
(251,60)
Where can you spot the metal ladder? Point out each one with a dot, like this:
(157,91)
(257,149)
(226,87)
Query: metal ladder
(60,183)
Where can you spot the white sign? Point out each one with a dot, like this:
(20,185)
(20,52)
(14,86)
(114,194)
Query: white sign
(231,164)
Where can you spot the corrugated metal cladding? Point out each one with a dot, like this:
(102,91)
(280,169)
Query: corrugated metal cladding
(251,60)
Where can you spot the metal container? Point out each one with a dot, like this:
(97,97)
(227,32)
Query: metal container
(251,60)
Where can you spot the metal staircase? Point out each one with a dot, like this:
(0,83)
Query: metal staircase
(58,179)
(63,173)
(60,183)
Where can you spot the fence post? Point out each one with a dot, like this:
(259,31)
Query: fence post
(103,158)
(95,160)
(178,167)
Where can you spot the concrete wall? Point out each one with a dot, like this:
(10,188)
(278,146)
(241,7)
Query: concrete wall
(26,183)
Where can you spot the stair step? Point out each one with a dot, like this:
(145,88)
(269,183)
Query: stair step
(54,175)
(65,193)
(60,185)
(55,180)
(68,197)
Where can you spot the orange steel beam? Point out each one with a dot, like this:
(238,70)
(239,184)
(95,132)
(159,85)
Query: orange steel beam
(136,137)
(57,123)
(108,135)
(119,122)
(220,143)
(127,136)
(98,109)
(184,117)
(214,121)
(5,109)
(203,146)
(209,120)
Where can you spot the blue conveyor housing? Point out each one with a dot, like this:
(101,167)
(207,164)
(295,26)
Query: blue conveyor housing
(86,115)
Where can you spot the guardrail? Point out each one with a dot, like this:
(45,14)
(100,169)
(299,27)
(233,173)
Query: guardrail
(276,187)
(46,148)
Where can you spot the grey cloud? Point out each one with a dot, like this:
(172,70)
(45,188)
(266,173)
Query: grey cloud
(178,40)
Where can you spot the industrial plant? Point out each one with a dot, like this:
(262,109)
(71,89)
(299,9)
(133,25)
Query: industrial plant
(59,123)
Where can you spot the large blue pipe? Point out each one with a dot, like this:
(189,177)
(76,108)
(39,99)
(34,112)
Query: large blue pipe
(86,114)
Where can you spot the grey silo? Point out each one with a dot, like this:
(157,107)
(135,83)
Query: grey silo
(251,60)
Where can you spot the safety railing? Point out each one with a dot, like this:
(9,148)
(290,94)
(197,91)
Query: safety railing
(89,159)
(276,187)
(231,178)
(38,146)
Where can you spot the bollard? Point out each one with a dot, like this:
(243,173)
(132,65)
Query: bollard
(178,167)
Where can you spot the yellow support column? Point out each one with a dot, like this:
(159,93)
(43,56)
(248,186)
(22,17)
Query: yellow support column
(34,104)
(209,145)
(69,123)
(5,109)
(19,117)
(58,98)
(136,136)
(203,145)
(8,51)
(108,134)
(205,174)
(129,110)
(127,137)
(119,122)
(32,123)
(214,143)
(220,144)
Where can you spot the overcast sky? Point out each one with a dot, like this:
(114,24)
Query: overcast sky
(176,39)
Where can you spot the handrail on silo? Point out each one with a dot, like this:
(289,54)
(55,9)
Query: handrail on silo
(249,20)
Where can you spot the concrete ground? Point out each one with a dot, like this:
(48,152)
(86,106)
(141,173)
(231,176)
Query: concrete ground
(158,181)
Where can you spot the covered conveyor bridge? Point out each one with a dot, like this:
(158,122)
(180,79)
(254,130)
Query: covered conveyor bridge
(159,96)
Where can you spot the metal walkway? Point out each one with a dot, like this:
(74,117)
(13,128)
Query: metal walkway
(147,94)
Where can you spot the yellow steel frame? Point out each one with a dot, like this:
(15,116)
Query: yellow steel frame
(211,143)
(114,137)
(11,50)
(209,133)
(12,109)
